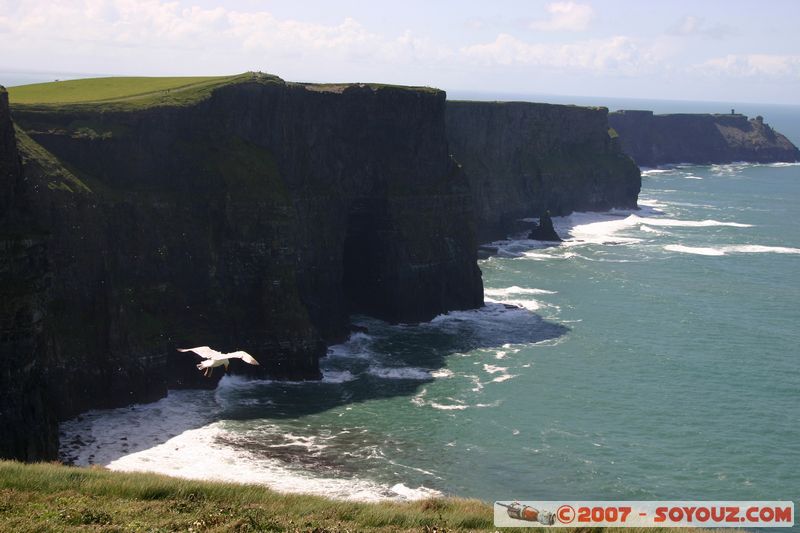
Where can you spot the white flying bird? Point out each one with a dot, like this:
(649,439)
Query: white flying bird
(214,358)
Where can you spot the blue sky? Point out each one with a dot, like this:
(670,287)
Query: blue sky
(700,50)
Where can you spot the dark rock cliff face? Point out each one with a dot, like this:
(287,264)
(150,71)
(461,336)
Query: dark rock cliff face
(524,158)
(257,219)
(701,139)
(27,424)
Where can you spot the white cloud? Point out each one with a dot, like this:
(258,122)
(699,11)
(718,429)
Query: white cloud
(105,26)
(173,37)
(616,54)
(565,16)
(691,25)
(752,65)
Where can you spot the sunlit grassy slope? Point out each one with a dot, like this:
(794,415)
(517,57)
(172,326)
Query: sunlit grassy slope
(125,91)
(139,92)
(52,497)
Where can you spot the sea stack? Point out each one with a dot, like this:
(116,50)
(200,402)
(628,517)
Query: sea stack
(544,231)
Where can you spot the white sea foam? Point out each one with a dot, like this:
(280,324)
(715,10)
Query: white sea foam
(652,205)
(492,369)
(507,291)
(693,250)
(174,437)
(503,371)
(203,454)
(530,305)
(692,177)
(503,377)
(758,249)
(672,222)
(598,229)
(537,256)
(656,171)
(453,404)
(337,376)
(419,493)
(404,372)
(648,229)
(724,250)
(357,346)
(448,407)
(542,257)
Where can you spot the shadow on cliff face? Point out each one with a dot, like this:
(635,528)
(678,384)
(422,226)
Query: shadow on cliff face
(387,361)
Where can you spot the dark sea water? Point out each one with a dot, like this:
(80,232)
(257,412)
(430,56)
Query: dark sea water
(654,355)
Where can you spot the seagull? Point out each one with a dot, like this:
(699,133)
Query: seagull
(214,358)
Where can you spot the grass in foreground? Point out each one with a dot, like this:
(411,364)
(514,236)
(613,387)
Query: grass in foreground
(53,497)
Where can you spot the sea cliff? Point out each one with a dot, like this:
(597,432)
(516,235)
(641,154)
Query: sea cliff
(27,423)
(653,140)
(251,213)
(257,217)
(524,158)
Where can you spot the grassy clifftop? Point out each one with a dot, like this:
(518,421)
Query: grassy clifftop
(126,92)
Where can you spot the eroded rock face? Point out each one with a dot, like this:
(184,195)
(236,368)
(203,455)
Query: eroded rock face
(258,219)
(654,140)
(522,159)
(27,425)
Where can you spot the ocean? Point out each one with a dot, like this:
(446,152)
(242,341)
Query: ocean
(653,355)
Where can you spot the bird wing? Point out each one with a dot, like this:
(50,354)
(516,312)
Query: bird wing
(244,356)
(202,351)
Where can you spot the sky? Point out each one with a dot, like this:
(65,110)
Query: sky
(738,51)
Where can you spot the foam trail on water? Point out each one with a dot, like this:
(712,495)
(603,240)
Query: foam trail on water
(515,290)
(404,372)
(530,305)
(723,250)
(688,223)
(693,250)
(337,376)
(758,249)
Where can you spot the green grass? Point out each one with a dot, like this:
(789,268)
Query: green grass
(51,497)
(341,87)
(99,89)
(125,92)
(47,165)
(141,92)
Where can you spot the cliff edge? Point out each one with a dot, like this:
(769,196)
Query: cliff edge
(653,140)
(27,424)
(522,159)
(254,214)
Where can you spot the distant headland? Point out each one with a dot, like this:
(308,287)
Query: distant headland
(653,140)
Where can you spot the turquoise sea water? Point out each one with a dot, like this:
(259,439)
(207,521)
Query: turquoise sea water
(654,355)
